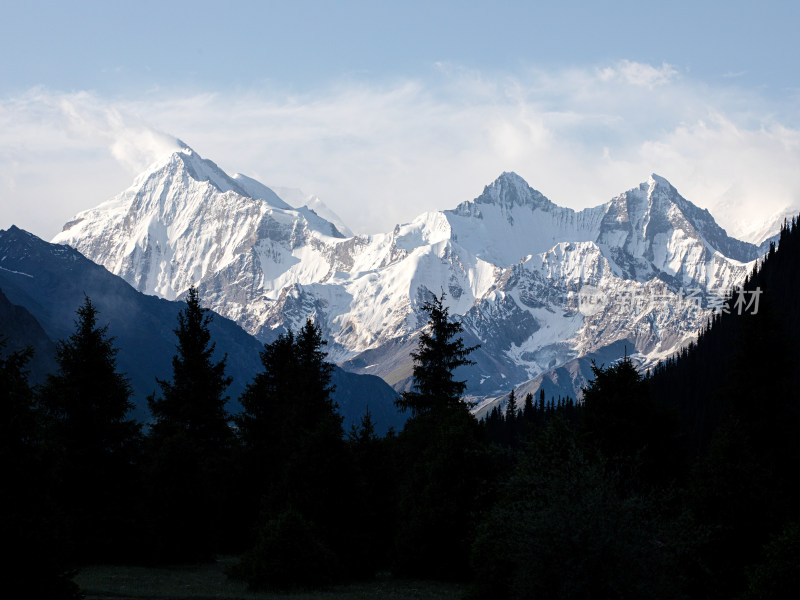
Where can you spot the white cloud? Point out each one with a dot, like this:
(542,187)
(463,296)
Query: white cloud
(379,155)
(742,175)
(132,142)
(639,74)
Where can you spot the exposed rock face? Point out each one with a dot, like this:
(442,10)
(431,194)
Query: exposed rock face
(512,264)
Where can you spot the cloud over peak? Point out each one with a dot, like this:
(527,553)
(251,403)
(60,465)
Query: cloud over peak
(379,154)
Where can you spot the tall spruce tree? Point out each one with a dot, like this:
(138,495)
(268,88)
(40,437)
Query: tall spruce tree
(190,446)
(194,401)
(92,442)
(511,408)
(621,419)
(444,459)
(267,422)
(528,411)
(440,352)
(296,462)
(32,566)
(288,406)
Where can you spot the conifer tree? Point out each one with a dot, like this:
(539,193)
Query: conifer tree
(511,409)
(295,454)
(268,421)
(364,434)
(440,352)
(288,405)
(19,425)
(92,442)
(31,567)
(625,423)
(194,401)
(87,400)
(528,411)
(445,459)
(190,446)
(315,378)
(375,495)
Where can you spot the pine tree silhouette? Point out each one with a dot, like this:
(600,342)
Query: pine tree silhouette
(32,567)
(94,444)
(193,403)
(190,446)
(440,352)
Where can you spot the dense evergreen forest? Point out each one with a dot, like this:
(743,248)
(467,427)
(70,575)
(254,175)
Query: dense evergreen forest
(680,483)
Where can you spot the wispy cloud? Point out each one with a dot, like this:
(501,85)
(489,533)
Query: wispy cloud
(638,74)
(381,154)
(131,141)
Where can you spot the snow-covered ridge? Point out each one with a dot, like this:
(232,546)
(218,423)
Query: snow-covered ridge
(184,220)
(510,261)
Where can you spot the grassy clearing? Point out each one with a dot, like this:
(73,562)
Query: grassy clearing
(208,581)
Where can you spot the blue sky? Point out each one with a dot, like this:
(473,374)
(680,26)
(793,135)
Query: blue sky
(387,109)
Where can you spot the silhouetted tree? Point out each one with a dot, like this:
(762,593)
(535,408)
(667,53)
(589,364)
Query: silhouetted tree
(289,426)
(29,537)
(295,455)
(193,403)
(94,445)
(439,353)
(528,410)
(625,424)
(375,494)
(511,408)
(190,446)
(445,463)
(267,425)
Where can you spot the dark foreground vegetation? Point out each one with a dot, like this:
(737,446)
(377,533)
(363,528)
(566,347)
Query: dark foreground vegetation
(678,484)
(210,580)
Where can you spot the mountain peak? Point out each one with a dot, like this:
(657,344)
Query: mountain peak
(656,208)
(510,177)
(655,178)
(169,150)
(509,190)
(184,161)
(15,233)
(658,185)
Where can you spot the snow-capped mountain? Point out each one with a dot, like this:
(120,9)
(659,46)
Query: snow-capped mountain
(296,197)
(512,263)
(762,231)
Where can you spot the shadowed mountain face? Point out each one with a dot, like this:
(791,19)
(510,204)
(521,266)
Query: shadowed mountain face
(43,284)
(50,281)
(20,330)
(511,262)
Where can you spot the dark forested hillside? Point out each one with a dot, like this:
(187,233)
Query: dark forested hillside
(735,392)
(677,484)
(51,281)
(747,357)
